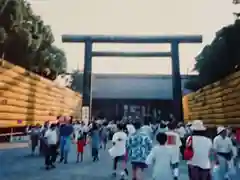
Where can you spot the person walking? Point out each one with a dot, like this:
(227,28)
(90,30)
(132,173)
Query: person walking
(199,165)
(43,146)
(138,146)
(95,141)
(223,147)
(118,150)
(80,141)
(66,136)
(51,138)
(104,135)
(34,134)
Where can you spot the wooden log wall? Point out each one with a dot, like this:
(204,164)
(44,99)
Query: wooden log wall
(215,104)
(26,98)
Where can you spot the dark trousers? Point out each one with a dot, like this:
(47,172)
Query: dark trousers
(116,160)
(95,154)
(197,173)
(85,136)
(34,142)
(51,155)
(182,148)
(43,147)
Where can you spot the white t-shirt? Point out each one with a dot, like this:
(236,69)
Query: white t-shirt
(131,129)
(51,136)
(161,157)
(85,128)
(119,138)
(112,127)
(201,148)
(174,142)
(77,129)
(222,145)
(181,131)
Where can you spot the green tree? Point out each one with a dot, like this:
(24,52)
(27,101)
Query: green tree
(27,42)
(220,58)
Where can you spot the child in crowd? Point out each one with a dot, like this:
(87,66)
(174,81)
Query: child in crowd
(162,157)
(80,146)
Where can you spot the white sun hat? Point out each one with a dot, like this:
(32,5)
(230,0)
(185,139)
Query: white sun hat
(197,125)
(189,123)
(220,129)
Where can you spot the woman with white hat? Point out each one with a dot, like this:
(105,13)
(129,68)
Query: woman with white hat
(199,165)
(223,147)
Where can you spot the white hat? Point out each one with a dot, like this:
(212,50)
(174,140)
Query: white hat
(197,125)
(220,129)
(189,123)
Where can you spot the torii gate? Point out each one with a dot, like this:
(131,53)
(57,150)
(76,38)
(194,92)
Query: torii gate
(88,40)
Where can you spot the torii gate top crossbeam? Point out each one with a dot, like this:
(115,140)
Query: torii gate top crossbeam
(131,39)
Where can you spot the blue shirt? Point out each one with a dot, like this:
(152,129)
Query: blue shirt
(95,136)
(139,146)
(66,130)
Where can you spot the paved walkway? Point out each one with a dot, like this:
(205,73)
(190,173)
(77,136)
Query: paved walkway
(5,146)
(17,164)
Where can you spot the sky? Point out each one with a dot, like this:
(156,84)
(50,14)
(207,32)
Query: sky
(134,17)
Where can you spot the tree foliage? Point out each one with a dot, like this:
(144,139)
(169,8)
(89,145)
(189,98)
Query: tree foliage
(26,41)
(219,59)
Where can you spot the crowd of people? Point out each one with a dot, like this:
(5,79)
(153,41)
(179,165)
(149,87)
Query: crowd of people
(142,143)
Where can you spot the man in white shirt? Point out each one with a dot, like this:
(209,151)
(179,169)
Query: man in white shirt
(223,146)
(118,151)
(51,138)
(199,165)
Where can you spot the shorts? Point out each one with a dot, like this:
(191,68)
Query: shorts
(140,165)
(120,158)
